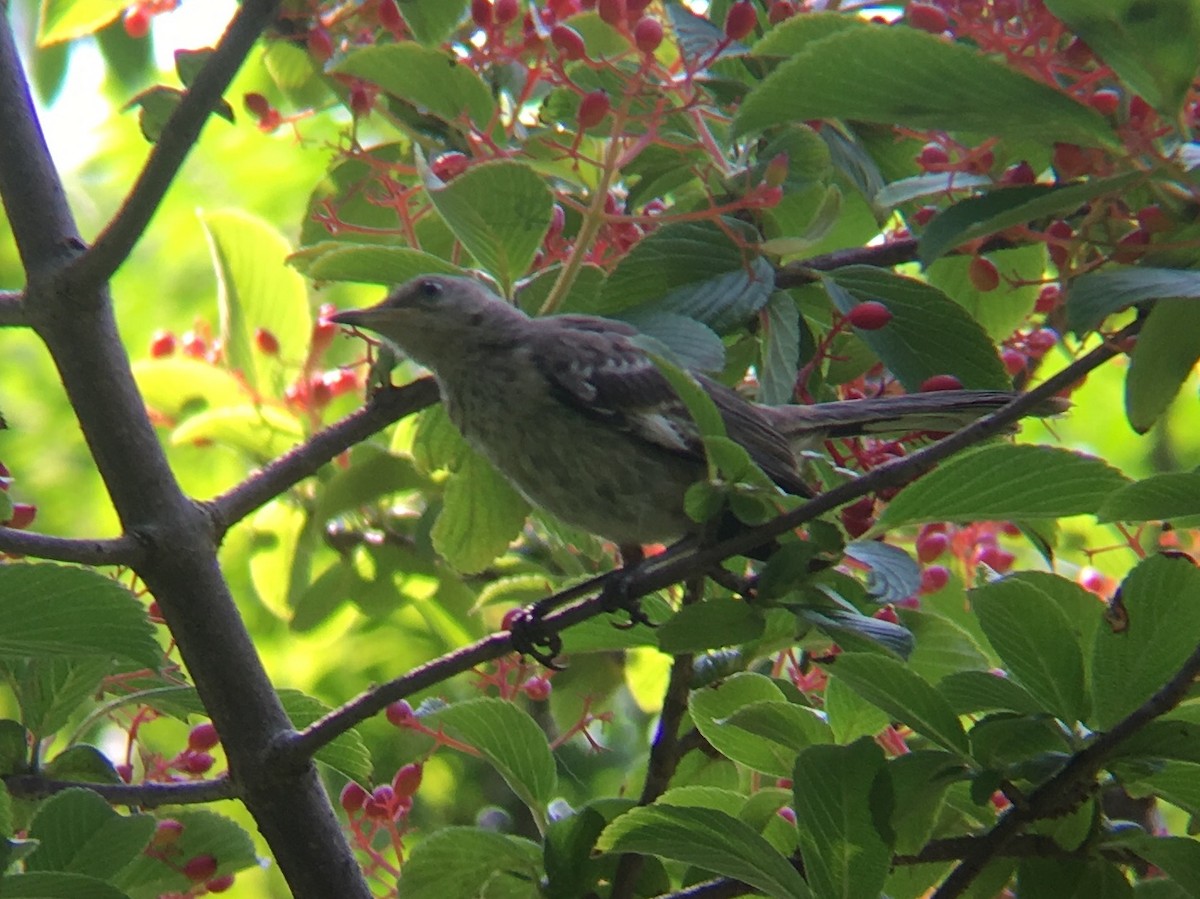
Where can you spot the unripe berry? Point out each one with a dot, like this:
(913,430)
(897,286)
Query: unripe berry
(162,344)
(940,382)
(931,545)
(203,736)
(1048,298)
(399,714)
(267,343)
(775,174)
(195,762)
(647,34)
(568,41)
(481,12)
(934,578)
(740,20)
(869,316)
(199,868)
(612,11)
(1041,340)
(1014,361)
(787,813)
(506,11)
(362,98)
(352,797)
(320,44)
(136,22)
(927,17)
(781,11)
(537,688)
(166,833)
(593,108)
(407,780)
(983,274)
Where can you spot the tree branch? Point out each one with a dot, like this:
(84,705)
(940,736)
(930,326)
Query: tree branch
(651,574)
(178,137)
(149,795)
(383,408)
(12,309)
(117,551)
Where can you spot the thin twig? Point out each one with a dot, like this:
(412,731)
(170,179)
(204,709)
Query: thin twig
(148,795)
(384,407)
(116,551)
(175,142)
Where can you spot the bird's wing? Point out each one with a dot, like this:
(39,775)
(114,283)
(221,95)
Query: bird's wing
(595,366)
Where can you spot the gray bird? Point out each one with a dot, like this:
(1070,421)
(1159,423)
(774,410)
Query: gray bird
(574,413)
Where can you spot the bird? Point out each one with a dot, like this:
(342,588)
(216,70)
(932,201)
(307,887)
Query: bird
(575,413)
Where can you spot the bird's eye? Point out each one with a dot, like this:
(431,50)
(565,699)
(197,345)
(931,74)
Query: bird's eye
(429,289)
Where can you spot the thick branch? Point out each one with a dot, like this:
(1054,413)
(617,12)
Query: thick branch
(385,407)
(12,309)
(150,795)
(178,137)
(652,575)
(118,551)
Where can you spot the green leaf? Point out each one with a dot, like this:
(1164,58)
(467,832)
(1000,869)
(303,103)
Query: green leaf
(711,710)
(1096,295)
(1176,782)
(58,885)
(511,741)
(977,217)
(262,432)
(347,753)
(65,20)
(373,473)
(50,688)
(693,269)
(685,341)
(919,781)
(1153,47)
(969,692)
(1159,497)
(430,79)
(902,76)
(1005,482)
(14,749)
(1177,857)
(482,514)
(709,625)
(851,716)
(432,21)
(928,334)
(79,833)
(841,793)
(700,405)
(257,291)
(1005,309)
(1166,351)
(1161,598)
(54,610)
(1036,643)
(942,647)
(155,107)
(462,862)
(179,386)
(709,840)
(903,694)
(1071,878)
(203,833)
(368,264)
(780,351)
(83,763)
(501,212)
(794,35)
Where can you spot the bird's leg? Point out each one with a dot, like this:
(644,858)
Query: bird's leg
(616,589)
(530,638)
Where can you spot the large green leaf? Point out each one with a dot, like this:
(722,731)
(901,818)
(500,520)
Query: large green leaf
(928,334)
(901,76)
(257,291)
(202,833)
(1006,482)
(54,610)
(65,20)
(432,21)
(482,514)
(1096,295)
(1161,599)
(1158,497)
(708,839)
(1166,351)
(841,795)
(501,212)
(462,862)
(81,834)
(368,263)
(347,753)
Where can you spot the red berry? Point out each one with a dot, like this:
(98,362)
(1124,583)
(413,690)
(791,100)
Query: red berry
(537,688)
(193,345)
(931,545)
(1041,340)
(320,44)
(399,714)
(1105,101)
(1048,298)
(1131,247)
(740,20)
(267,343)
(257,105)
(481,12)
(1014,361)
(924,215)
(612,11)
(1071,161)
(384,795)
(636,7)
(136,22)
(568,41)
(166,833)
(352,797)
(199,868)
(888,614)
(407,780)
(22,516)
(983,274)
(362,99)
(506,11)
(162,344)
(195,762)
(203,736)
(1139,111)
(780,11)
(787,813)
(927,17)
(593,108)
(934,578)
(995,558)
(647,34)
(388,15)
(1153,220)
(932,155)
(869,316)
(1019,173)
(219,884)
(450,165)
(940,382)
(125,772)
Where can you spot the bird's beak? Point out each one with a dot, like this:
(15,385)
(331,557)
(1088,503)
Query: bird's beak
(355,318)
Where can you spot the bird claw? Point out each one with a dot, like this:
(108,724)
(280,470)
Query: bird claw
(529,638)
(617,599)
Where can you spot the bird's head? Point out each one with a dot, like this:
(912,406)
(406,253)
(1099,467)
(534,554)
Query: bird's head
(434,318)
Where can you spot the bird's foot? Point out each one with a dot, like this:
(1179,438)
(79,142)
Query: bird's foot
(530,637)
(617,598)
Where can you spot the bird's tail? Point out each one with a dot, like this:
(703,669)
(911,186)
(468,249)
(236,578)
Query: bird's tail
(939,411)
